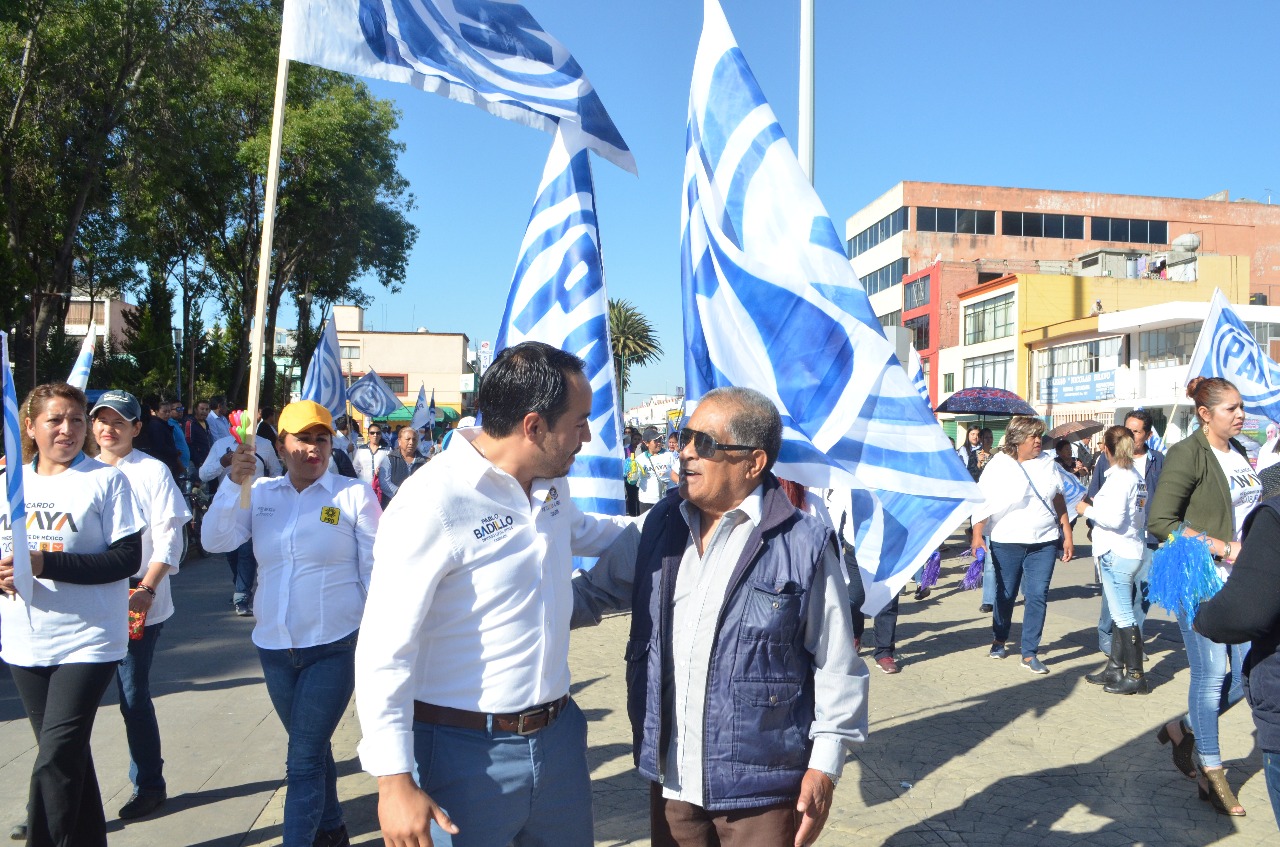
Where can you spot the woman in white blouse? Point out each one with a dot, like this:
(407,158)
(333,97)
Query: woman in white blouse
(1029,525)
(312,534)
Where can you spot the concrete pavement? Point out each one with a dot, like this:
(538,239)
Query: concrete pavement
(963,749)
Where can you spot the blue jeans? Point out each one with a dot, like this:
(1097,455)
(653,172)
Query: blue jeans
(310,688)
(1031,567)
(133,681)
(1216,685)
(244,568)
(1271,767)
(1121,580)
(1138,602)
(502,788)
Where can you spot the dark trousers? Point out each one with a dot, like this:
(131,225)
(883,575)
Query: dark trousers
(885,623)
(133,682)
(244,568)
(632,494)
(675,823)
(64,805)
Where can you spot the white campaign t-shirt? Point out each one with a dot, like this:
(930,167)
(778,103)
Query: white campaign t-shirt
(1246,488)
(656,476)
(163,513)
(84,509)
(1140,464)
(1017,515)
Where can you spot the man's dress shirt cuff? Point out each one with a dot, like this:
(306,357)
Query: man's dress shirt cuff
(390,753)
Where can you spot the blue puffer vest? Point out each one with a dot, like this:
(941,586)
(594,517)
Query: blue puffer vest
(759,699)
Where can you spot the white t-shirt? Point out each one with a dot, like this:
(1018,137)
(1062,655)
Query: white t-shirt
(1016,515)
(163,513)
(1246,488)
(84,509)
(1140,464)
(655,474)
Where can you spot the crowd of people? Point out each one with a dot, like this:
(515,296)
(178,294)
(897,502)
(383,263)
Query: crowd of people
(368,563)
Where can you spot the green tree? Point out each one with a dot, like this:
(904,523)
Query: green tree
(634,342)
(149,341)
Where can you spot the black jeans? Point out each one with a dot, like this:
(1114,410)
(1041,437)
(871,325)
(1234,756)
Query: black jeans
(885,623)
(65,807)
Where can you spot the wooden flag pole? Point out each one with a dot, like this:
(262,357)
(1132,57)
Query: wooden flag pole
(264,260)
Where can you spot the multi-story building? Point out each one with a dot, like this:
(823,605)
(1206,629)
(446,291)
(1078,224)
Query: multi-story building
(921,243)
(107,313)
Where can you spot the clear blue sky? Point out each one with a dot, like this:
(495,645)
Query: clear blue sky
(1171,99)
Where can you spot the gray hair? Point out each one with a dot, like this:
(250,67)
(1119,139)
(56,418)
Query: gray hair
(753,421)
(1020,429)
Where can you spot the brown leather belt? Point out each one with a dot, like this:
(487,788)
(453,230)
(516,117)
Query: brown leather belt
(522,723)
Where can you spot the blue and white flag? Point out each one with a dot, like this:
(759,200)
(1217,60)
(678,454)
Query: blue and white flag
(558,297)
(16,511)
(424,412)
(489,53)
(371,396)
(915,371)
(324,383)
(771,303)
(1226,348)
(84,362)
(1156,442)
(1073,490)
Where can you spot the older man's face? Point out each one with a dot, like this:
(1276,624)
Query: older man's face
(720,483)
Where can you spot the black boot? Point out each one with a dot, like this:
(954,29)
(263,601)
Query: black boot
(1134,681)
(1112,672)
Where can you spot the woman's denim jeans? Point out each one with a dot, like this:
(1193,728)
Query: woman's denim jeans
(1216,685)
(1119,576)
(1029,566)
(310,688)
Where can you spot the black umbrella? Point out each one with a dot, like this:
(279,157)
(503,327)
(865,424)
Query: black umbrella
(986,401)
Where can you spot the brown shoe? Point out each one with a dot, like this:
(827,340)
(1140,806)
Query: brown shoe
(887,664)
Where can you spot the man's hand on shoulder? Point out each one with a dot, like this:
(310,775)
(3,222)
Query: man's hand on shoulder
(405,812)
(813,806)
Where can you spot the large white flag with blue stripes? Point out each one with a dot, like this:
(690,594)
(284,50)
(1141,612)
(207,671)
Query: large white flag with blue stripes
(558,297)
(770,302)
(1227,348)
(324,383)
(84,362)
(490,53)
(915,371)
(16,513)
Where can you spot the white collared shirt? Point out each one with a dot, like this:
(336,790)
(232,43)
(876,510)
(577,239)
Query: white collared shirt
(315,554)
(268,462)
(164,514)
(471,599)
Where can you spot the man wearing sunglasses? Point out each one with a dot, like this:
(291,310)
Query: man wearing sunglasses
(747,693)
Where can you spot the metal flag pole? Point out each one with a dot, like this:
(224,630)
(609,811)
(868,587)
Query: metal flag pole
(804,136)
(264,257)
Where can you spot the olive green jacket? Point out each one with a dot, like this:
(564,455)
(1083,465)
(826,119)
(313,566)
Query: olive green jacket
(1193,489)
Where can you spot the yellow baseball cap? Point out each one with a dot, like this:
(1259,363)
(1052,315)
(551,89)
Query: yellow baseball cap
(302,415)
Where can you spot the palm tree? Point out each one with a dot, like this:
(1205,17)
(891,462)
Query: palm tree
(634,342)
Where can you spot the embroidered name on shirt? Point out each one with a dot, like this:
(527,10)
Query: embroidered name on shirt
(494,527)
(330,515)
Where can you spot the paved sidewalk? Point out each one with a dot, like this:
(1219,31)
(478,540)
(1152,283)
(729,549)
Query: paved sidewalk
(963,749)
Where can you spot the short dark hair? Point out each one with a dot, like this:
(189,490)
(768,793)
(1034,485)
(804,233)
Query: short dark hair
(1148,422)
(531,377)
(217,401)
(266,411)
(754,421)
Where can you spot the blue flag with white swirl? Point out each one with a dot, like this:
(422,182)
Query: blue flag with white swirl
(324,383)
(771,303)
(84,362)
(558,297)
(372,397)
(489,53)
(1226,348)
(16,512)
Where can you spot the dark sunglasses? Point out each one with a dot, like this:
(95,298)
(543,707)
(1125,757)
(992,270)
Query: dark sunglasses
(704,445)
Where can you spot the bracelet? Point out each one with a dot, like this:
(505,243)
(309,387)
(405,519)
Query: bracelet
(147,588)
(1226,550)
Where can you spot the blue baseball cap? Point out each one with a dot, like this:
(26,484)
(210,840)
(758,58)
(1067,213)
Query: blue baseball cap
(119,401)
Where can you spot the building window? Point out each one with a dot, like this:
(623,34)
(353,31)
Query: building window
(1084,357)
(919,328)
(891,319)
(915,293)
(948,383)
(994,371)
(882,230)
(989,320)
(1040,225)
(349,352)
(881,278)
(1159,348)
(1130,230)
(964,221)
(395,383)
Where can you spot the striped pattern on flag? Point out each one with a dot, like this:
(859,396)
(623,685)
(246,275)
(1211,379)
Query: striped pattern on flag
(84,362)
(489,53)
(771,303)
(558,297)
(371,396)
(324,383)
(23,581)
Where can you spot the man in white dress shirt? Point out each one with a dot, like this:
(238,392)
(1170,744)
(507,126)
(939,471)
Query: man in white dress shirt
(462,667)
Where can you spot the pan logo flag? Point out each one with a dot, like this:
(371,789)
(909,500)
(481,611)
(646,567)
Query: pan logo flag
(558,297)
(771,303)
(1226,348)
(324,383)
(489,53)
(372,398)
